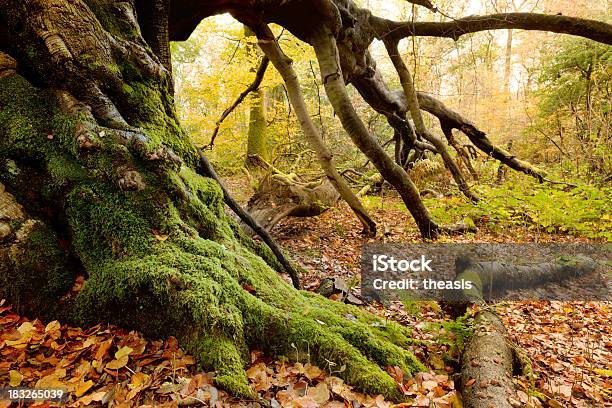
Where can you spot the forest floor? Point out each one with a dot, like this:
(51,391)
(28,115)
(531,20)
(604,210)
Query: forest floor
(569,343)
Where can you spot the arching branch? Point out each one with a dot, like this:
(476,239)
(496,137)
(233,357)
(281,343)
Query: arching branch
(282,63)
(592,29)
(450,119)
(415,112)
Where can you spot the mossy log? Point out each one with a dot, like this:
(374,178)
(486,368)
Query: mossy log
(92,153)
(280,195)
(493,280)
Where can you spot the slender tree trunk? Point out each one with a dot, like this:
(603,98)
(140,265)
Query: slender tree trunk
(283,64)
(415,112)
(508,64)
(257,140)
(327,54)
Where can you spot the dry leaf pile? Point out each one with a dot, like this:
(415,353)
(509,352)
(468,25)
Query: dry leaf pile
(570,346)
(106,365)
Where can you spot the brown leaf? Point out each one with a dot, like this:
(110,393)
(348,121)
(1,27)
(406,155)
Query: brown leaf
(103,349)
(83,387)
(118,363)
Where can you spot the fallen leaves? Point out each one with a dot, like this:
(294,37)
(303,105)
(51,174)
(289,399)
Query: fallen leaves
(108,365)
(103,363)
(567,344)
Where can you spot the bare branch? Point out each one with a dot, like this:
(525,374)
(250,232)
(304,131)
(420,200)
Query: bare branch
(259,76)
(206,169)
(592,29)
(325,157)
(450,119)
(415,112)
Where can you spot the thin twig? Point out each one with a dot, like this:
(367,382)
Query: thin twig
(261,72)
(207,170)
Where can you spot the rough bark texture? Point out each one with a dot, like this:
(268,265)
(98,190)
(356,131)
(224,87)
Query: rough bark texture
(487,364)
(90,144)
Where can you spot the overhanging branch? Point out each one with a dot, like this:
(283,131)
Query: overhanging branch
(592,29)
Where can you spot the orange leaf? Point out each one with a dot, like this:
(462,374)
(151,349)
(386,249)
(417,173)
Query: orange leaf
(118,363)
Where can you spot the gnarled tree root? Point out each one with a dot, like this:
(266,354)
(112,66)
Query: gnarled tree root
(194,289)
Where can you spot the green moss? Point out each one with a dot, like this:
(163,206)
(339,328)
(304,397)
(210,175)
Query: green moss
(109,16)
(107,222)
(63,170)
(222,355)
(31,121)
(35,275)
(166,260)
(257,141)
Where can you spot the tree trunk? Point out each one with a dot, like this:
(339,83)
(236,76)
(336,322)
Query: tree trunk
(91,148)
(257,140)
(326,159)
(331,72)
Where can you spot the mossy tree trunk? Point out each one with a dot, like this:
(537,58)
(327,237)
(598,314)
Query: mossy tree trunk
(100,178)
(257,140)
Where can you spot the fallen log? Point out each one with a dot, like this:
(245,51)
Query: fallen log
(280,195)
(487,364)
(492,280)
(490,358)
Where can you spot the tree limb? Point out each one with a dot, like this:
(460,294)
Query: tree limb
(261,72)
(415,112)
(208,171)
(592,29)
(282,63)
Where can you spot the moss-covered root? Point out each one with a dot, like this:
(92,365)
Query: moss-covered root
(224,356)
(194,289)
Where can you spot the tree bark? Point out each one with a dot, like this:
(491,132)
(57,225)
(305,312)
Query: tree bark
(269,45)
(91,148)
(487,364)
(415,111)
(257,135)
(331,72)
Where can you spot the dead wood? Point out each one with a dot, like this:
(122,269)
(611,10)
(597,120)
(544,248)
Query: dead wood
(279,196)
